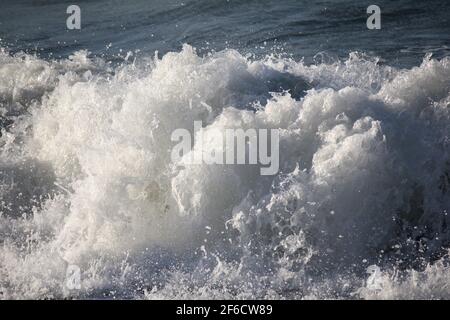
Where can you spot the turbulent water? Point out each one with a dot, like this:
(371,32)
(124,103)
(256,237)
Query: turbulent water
(359,208)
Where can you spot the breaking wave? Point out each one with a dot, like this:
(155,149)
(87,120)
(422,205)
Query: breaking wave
(359,208)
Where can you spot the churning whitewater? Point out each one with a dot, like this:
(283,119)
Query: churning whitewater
(358,209)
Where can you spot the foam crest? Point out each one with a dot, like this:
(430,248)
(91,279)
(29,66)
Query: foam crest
(87,177)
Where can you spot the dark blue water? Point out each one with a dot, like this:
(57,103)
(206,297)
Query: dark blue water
(300,28)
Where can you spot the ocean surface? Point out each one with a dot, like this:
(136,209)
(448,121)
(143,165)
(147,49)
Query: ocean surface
(91,205)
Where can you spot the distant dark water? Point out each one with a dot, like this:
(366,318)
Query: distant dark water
(299,28)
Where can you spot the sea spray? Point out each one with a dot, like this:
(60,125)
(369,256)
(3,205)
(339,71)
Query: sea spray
(362,180)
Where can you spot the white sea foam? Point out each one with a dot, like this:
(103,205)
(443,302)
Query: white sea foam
(86,178)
